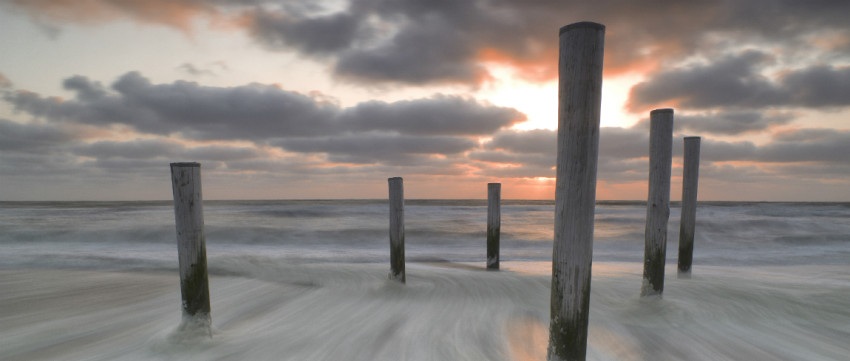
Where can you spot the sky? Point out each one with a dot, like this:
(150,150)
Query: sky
(327,99)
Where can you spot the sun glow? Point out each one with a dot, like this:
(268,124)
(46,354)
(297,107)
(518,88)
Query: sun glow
(539,101)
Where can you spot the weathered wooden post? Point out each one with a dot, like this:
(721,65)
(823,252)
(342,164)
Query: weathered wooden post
(579,101)
(690,179)
(396,229)
(191,244)
(494,223)
(658,202)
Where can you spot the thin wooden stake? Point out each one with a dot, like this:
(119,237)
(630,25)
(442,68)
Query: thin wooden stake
(690,180)
(579,101)
(396,187)
(494,224)
(658,202)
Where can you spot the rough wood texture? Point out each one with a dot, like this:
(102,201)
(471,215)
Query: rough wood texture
(658,202)
(579,101)
(690,180)
(191,244)
(396,229)
(494,223)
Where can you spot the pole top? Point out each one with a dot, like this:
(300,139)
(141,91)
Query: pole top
(490,184)
(186,164)
(580,25)
(692,138)
(389,179)
(659,111)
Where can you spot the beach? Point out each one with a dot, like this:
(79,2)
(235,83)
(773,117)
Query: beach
(324,312)
(305,288)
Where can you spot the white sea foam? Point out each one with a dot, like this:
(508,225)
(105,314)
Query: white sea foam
(306,280)
(444,312)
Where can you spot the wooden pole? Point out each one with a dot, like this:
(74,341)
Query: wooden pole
(494,224)
(191,244)
(658,202)
(579,101)
(396,229)
(690,178)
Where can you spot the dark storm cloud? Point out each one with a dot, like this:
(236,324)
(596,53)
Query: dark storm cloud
(255,112)
(736,81)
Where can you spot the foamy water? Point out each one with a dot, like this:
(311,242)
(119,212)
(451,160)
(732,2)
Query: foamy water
(297,281)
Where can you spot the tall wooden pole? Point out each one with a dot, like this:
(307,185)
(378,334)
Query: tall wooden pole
(191,243)
(494,224)
(396,229)
(658,202)
(690,179)
(579,101)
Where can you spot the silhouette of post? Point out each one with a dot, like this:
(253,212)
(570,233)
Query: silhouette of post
(658,202)
(690,179)
(191,243)
(396,229)
(579,101)
(494,221)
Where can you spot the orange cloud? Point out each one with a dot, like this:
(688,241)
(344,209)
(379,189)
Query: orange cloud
(174,13)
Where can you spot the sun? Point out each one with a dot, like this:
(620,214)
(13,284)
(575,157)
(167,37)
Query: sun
(539,101)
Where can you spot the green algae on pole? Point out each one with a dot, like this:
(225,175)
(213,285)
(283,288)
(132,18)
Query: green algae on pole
(690,180)
(579,101)
(658,201)
(494,220)
(191,243)
(396,187)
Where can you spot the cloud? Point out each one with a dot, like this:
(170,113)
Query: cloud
(424,135)
(174,13)
(314,36)
(818,86)
(730,81)
(32,138)
(378,147)
(438,115)
(426,42)
(736,81)
(729,123)
(808,145)
(193,70)
(734,122)
(164,150)
(5,82)
(255,112)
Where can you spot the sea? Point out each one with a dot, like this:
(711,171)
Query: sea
(307,280)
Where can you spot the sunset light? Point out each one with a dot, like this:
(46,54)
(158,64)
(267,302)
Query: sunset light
(424,180)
